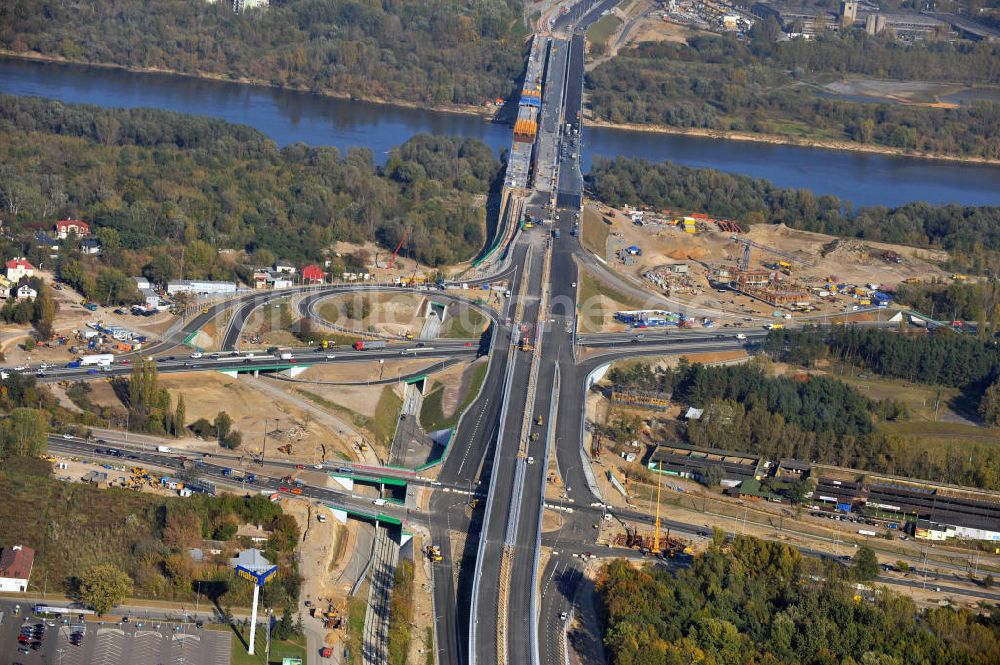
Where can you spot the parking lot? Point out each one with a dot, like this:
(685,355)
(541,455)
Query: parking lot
(67,640)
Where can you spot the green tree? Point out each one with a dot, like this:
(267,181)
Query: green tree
(25,432)
(223,424)
(989,404)
(284,628)
(180,415)
(103,586)
(45,311)
(865,564)
(712,476)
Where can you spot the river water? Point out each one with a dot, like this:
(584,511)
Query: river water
(290,117)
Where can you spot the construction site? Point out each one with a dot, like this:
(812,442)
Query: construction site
(740,272)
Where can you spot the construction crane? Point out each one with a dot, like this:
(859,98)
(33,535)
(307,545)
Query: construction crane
(747,244)
(406,234)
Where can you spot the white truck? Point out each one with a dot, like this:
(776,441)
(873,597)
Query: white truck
(286,356)
(163,449)
(97,359)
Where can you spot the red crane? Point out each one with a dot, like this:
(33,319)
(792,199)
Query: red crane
(406,234)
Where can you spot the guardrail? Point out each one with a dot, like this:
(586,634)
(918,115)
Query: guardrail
(533,611)
(490,497)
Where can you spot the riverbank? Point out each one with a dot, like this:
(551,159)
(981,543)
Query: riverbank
(778,139)
(464,109)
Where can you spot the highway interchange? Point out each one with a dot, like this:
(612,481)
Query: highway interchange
(488,604)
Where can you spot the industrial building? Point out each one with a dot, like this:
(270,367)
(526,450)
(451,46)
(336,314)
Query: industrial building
(937,512)
(692,462)
(200,287)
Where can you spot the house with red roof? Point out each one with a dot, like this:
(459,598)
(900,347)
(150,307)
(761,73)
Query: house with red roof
(313,274)
(19,267)
(15,567)
(67,227)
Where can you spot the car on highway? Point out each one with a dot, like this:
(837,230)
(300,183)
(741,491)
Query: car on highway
(378,502)
(563,616)
(197,354)
(296,490)
(282,489)
(330,356)
(317,466)
(67,436)
(300,466)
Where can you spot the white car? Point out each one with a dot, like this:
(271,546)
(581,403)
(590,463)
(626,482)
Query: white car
(378,502)
(330,356)
(196,355)
(317,466)
(67,436)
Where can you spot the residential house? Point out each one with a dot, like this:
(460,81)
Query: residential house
(68,227)
(286,267)
(25,292)
(46,242)
(256,534)
(91,246)
(18,268)
(260,279)
(15,568)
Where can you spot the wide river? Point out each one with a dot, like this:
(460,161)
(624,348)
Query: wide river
(290,117)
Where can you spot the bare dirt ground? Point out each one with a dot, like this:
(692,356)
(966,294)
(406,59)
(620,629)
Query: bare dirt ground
(849,261)
(352,372)
(390,313)
(206,394)
(456,381)
(921,93)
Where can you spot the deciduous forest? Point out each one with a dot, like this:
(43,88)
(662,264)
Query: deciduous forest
(762,602)
(721,83)
(426,51)
(166,192)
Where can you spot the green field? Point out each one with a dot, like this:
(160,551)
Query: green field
(603,29)
(466,324)
(432,416)
(592,311)
(594,232)
(295,648)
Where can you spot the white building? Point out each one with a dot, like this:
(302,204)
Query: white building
(19,267)
(200,287)
(25,292)
(15,568)
(240,6)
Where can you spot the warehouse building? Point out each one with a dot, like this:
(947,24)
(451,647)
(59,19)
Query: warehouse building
(692,462)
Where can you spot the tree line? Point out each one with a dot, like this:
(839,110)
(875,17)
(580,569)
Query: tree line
(169,193)
(758,601)
(429,51)
(970,234)
(721,83)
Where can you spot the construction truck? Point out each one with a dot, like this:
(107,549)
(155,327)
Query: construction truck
(434,553)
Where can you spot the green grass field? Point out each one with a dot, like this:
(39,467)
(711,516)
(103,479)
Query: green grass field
(593,312)
(467,324)
(603,29)
(594,232)
(295,648)
(432,417)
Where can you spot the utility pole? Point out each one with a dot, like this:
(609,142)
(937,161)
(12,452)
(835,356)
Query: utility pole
(659,484)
